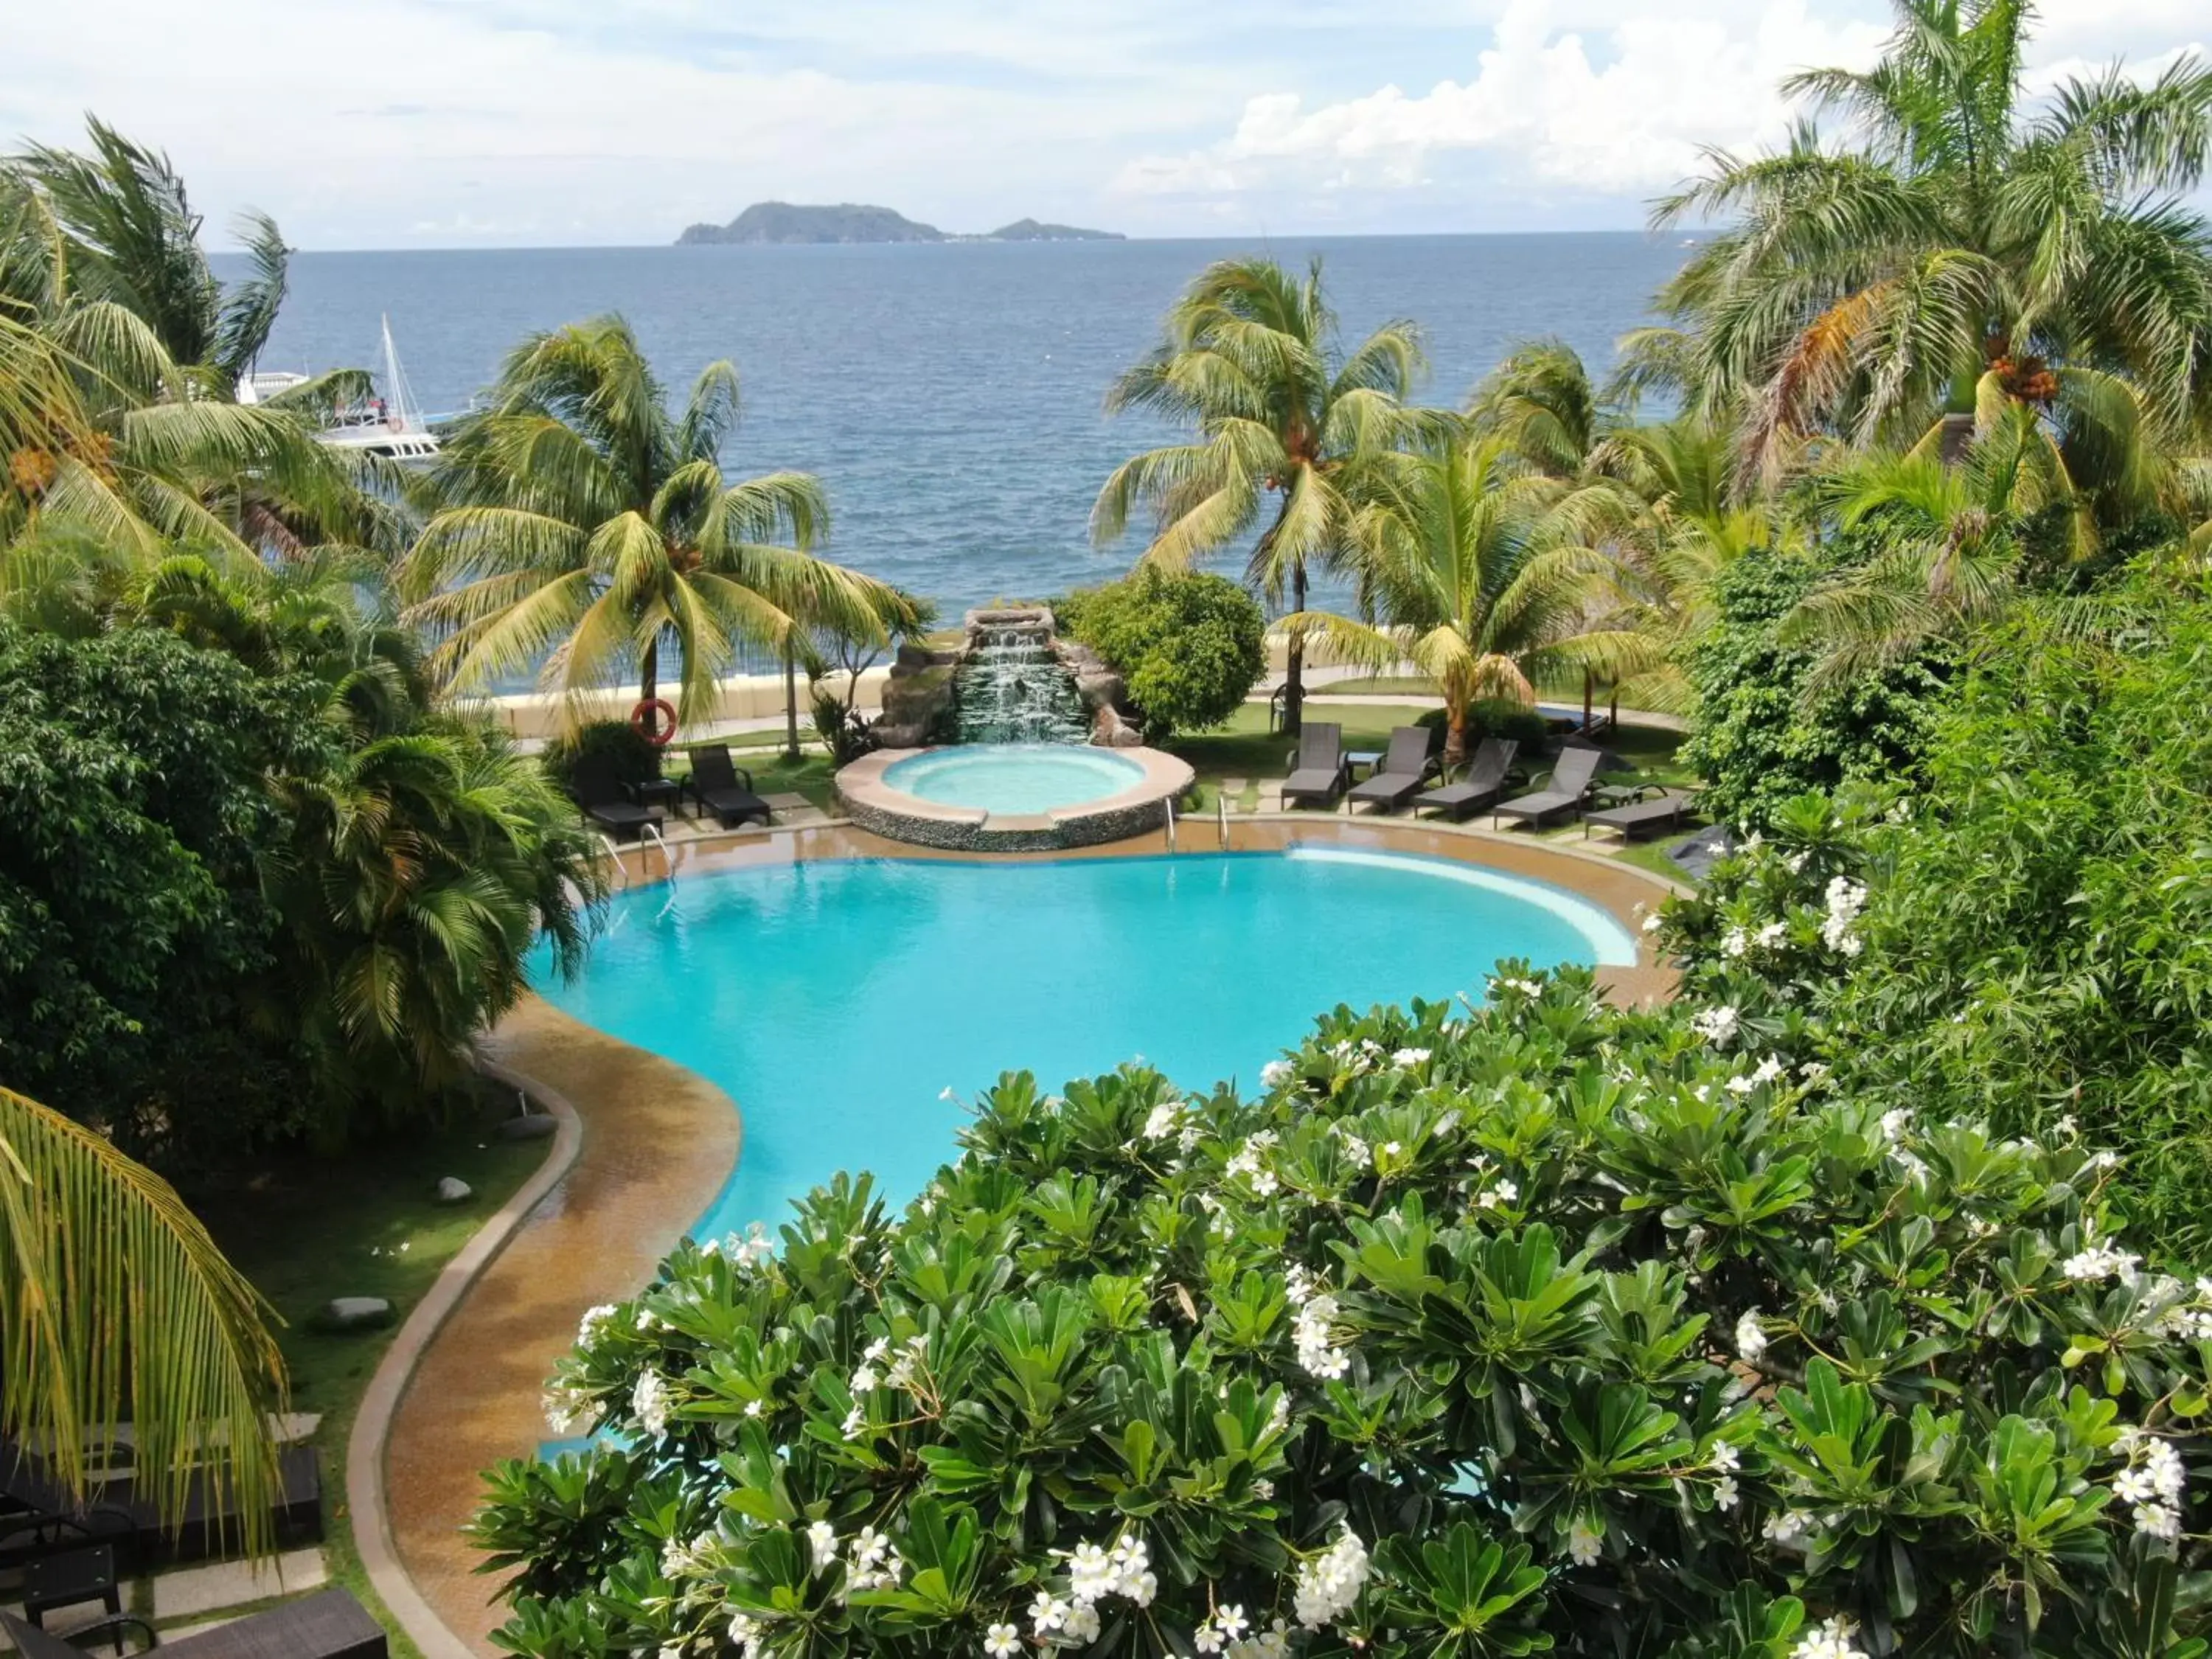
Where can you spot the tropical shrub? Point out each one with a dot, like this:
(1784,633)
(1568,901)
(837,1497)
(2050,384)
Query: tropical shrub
(1189,646)
(134,927)
(616,744)
(1538,1327)
(2029,935)
(1760,738)
(1495,717)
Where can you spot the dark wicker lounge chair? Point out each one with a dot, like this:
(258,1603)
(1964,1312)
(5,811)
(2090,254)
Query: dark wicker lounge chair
(38,1515)
(1566,789)
(1646,807)
(330,1625)
(1485,784)
(1406,766)
(723,787)
(600,796)
(1319,771)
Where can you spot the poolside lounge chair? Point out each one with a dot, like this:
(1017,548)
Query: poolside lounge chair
(1319,770)
(601,797)
(1483,786)
(39,1515)
(1647,807)
(1405,768)
(723,787)
(331,1625)
(1566,789)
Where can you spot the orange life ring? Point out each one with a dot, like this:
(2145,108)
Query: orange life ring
(654,720)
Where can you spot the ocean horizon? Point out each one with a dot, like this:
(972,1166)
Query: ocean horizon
(949,395)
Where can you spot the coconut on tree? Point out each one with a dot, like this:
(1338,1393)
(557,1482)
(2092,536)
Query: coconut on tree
(1283,424)
(586,532)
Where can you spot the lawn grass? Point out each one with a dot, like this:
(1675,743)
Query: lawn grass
(305,1230)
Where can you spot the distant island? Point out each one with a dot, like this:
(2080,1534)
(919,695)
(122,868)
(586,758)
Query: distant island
(852,222)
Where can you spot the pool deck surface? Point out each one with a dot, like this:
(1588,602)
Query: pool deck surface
(654,1143)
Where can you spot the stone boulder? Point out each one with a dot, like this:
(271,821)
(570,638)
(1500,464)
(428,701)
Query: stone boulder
(452,1189)
(531,1125)
(354,1313)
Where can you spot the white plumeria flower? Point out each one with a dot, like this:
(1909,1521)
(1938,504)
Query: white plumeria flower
(1329,1584)
(1585,1543)
(1833,1640)
(1048,1614)
(1653,922)
(1750,1338)
(1002,1642)
(1405,1059)
(649,1402)
(1724,1493)
(1276,1073)
(821,1544)
(1717,1025)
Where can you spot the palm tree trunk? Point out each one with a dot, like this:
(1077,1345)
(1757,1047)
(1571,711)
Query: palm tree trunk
(1588,685)
(1294,679)
(790,704)
(648,674)
(1454,732)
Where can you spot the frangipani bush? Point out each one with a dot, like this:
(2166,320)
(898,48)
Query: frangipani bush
(1540,1326)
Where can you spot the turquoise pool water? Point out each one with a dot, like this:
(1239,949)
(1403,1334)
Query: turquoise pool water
(1014,777)
(835,1001)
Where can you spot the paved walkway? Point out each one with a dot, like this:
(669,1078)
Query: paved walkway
(658,1142)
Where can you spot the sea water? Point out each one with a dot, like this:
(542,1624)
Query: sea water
(949,396)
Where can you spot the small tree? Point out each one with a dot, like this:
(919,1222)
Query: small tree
(1189,646)
(844,651)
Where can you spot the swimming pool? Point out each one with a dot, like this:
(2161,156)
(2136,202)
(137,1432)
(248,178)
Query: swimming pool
(1014,777)
(836,1000)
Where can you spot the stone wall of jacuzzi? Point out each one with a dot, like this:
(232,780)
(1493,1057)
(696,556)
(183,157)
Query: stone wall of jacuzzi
(977,835)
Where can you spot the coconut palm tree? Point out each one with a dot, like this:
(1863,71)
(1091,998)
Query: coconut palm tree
(1951,541)
(1249,358)
(1484,574)
(115,1305)
(586,530)
(1543,403)
(1966,249)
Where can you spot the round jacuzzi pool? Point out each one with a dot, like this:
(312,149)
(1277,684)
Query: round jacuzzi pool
(1014,777)
(1012,797)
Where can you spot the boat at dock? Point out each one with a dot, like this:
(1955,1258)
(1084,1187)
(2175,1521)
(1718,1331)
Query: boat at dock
(392,425)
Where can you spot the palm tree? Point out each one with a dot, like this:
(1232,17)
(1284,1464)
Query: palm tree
(1950,542)
(100,265)
(1968,251)
(1249,358)
(116,1305)
(585,530)
(1485,575)
(1543,403)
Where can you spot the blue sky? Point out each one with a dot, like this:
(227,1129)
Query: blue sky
(489,123)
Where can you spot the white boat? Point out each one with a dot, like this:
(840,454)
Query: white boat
(394,428)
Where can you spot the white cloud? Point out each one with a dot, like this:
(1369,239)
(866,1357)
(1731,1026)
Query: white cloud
(1631,120)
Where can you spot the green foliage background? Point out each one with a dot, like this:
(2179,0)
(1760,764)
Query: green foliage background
(1759,739)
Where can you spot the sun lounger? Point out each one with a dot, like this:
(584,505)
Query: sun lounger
(331,1625)
(1319,771)
(39,1515)
(723,787)
(1642,810)
(1566,789)
(601,797)
(1483,786)
(1405,768)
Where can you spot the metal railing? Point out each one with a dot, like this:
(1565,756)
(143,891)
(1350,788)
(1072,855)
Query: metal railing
(615,853)
(1171,823)
(1221,817)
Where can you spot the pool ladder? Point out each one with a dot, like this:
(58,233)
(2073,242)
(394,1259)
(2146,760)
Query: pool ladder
(1221,818)
(1171,823)
(667,859)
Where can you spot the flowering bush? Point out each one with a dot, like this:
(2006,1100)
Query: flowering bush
(2026,937)
(1540,1326)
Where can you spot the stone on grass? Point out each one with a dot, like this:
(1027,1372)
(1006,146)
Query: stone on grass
(531,1125)
(355,1313)
(452,1189)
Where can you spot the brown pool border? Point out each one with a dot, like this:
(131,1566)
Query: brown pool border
(641,1138)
